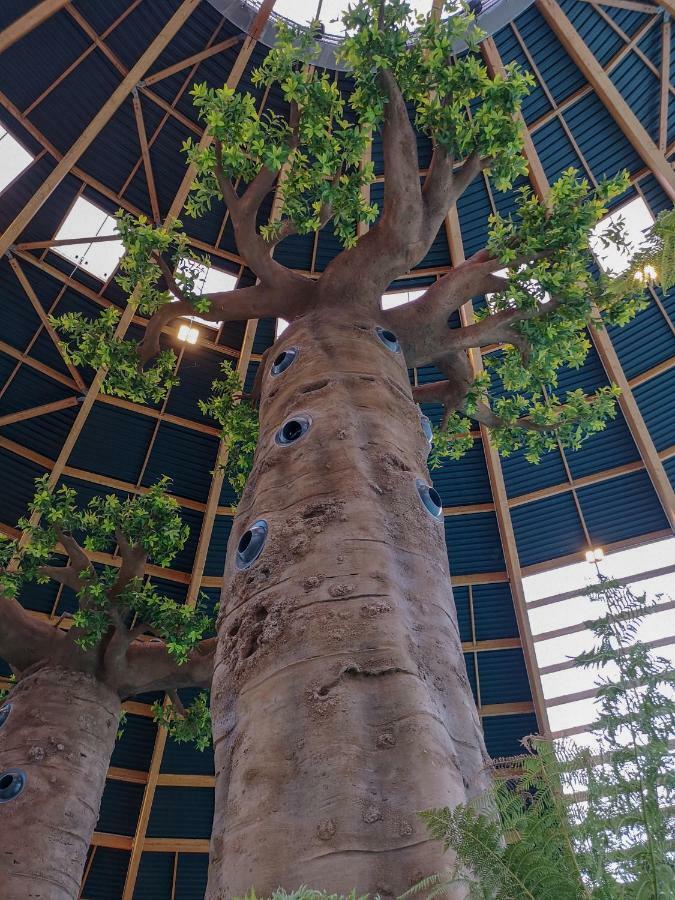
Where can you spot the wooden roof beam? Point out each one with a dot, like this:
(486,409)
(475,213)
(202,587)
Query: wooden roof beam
(614,102)
(601,340)
(28,21)
(43,410)
(145,154)
(191,60)
(97,124)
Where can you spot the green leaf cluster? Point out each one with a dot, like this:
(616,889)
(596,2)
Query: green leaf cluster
(193,725)
(322,152)
(592,825)
(458,105)
(93,343)
(555,235)
(239,425)
(150,523)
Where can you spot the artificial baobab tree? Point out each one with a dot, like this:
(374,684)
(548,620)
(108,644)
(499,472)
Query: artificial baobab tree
(341,705)
(59,721)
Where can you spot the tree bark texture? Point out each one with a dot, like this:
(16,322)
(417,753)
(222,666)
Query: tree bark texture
(341,705)
(60,731)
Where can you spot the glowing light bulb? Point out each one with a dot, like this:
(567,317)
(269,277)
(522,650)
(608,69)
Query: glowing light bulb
(595,555)
(188,334)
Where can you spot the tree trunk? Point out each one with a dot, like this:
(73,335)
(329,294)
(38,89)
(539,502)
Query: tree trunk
(60,732)
(341,704)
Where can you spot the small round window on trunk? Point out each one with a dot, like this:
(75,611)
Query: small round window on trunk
(389,339)
(284,359)
(426,428)
(12,782)
(4,713)
(430,499)
(293,429)
(251,544)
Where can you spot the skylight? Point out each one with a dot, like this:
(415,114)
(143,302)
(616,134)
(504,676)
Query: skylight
(13,158)
(399,298)
(637,220)
(85,219)
(209,281)
(329,11)
(554,649)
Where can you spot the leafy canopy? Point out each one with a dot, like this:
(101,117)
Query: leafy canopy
(555,297)
(149,523)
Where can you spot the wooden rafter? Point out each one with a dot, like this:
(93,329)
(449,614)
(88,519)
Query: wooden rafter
(27,22)
(94,128)
(633,5)
(140,840)
(42,315)
(608,356)
(34,411)
(614,102)
(195,59)
(665,84)
(145,153)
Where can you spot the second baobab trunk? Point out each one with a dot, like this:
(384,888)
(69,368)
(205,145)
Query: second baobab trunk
(341,704)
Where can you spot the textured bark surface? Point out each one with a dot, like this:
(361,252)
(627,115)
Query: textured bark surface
(61,731)
(340,701)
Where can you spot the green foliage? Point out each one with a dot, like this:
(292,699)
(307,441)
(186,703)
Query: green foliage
(149,523)
(93,343)
(322,155)
(579,824)
(524,374)
(192,725)
(459,106)
(239,425)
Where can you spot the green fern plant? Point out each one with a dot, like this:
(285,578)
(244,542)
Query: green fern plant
(577,823)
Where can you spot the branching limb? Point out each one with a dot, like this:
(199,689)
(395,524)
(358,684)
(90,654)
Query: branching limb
(149,667)
(79,569)
(443,187)
(134,559)
(452,393)
(254,302)
(486,416)
(24,640)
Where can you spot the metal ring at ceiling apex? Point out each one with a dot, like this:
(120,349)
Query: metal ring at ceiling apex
(241,13)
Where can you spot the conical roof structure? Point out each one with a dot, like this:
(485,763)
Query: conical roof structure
(98,95)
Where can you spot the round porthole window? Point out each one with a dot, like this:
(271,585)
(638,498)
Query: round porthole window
(389,339)
(430,499)
(251,544)
(4,713)
(426,428)
(284,359)
(293,429)
(12,782)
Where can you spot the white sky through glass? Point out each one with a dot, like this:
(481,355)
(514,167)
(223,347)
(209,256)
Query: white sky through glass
(304,11)
(13,158)
(575,610)
(85,219)
(638,219)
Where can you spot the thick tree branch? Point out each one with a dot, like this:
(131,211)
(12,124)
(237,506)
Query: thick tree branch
(256,302)
(79,569)
(443,187)
(149,667)
(24,640)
